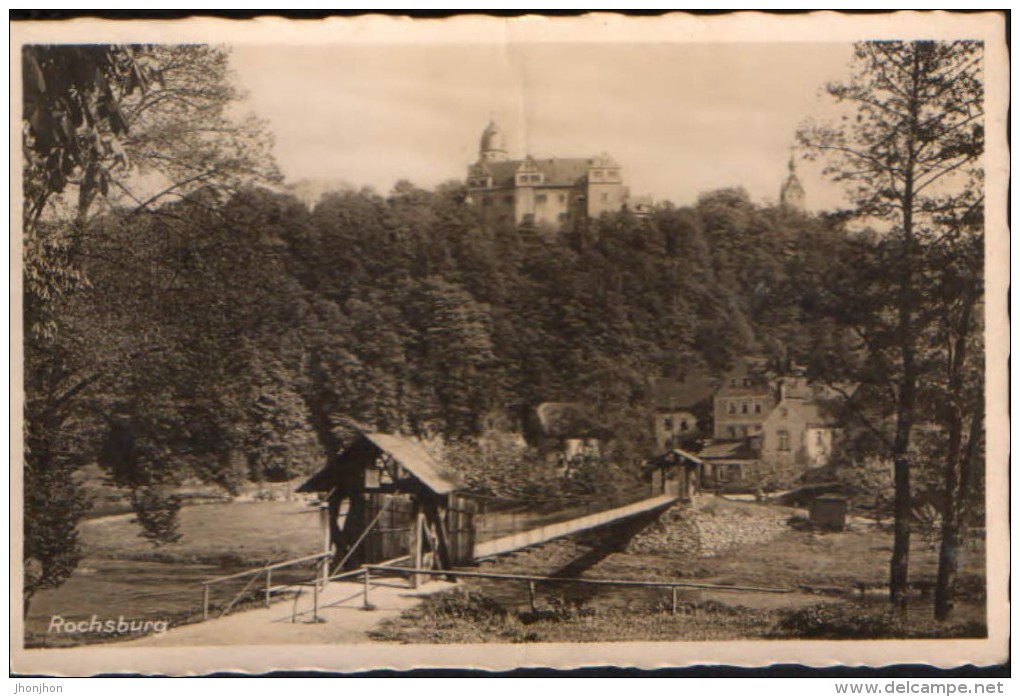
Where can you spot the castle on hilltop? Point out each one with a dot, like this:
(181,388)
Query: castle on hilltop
(558,191)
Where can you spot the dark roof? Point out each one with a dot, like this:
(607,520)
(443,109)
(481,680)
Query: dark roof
(728,450)
(558,171)
(675,457)
(674,394)
(408,453)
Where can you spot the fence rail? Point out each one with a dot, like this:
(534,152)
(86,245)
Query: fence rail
(532,580)
(320,558)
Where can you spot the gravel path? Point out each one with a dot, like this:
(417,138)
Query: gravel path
(341,619)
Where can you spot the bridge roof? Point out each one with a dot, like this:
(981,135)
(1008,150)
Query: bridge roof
(408,453)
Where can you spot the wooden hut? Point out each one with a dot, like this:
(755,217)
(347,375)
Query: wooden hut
(676,472)
(395,500)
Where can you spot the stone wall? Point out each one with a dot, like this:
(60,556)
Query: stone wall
(709,526)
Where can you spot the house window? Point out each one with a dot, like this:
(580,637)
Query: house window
(784,440)
(597,175)
(743,408)
(667,423)
(757,407)
(540,198)
(683,426)
(732,408)
(536,178)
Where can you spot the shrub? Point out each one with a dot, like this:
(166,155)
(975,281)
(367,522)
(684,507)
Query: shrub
(855,621)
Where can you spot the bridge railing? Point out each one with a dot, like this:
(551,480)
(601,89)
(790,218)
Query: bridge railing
(266,572)
(533,581)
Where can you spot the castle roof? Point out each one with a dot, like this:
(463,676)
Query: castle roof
(557,171)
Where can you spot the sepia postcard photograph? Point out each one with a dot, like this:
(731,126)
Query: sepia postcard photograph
(500,342)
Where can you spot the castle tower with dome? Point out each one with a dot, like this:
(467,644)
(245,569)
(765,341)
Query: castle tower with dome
(791,194)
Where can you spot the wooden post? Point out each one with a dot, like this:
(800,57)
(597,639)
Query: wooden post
(269,582)
(315,602)
(364,603)
(205,602)
(674,600)
(324,515)
(418,542)
(531,595)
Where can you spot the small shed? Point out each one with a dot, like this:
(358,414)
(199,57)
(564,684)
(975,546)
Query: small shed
(729,464)
(399,501)
(829,512)
(676,472)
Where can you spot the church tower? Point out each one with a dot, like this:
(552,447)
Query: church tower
(791,195)
(492,148)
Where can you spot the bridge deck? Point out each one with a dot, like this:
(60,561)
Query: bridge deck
(545,533)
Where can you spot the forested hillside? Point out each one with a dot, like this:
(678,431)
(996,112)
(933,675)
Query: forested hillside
(271,328)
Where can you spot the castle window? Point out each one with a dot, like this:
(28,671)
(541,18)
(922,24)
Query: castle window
(784,440)
(540,198)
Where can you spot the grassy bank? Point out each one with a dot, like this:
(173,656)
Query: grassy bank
(238,533)
(470,616)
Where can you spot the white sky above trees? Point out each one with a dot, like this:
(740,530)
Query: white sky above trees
(680,118)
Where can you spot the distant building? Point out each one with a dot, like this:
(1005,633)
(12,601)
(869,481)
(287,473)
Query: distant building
(768,426)
(566,431)
(681,408)
(556,191)
(744,401)
(791,195)
(801,432)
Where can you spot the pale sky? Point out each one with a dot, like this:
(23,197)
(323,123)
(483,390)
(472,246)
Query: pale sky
(679,118)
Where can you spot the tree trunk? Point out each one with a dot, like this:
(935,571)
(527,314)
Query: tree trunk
(902,504)
(902,508)
(959,475)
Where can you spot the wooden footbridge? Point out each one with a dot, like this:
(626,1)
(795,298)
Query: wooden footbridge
(405,512)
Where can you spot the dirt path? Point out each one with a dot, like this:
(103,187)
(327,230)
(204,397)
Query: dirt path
(342,619)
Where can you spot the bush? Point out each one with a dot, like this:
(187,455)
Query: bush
(855,621)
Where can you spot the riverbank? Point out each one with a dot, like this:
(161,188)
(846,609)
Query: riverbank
(836,583)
